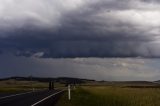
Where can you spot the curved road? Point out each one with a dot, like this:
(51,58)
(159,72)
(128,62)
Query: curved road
(37,98)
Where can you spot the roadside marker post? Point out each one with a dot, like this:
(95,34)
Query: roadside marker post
(69,92)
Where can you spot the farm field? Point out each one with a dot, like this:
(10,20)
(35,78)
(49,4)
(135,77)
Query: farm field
(13,86)
(111,96)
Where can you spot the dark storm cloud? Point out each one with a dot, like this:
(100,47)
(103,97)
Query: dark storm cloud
(107,28)
(1,52)
(151,1)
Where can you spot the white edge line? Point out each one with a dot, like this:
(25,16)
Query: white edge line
(47,98)
(15,95)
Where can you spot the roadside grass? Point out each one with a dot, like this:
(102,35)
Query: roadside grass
(10,86)
(112,96)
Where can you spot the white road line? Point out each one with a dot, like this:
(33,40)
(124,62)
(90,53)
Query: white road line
(46,98)
(15,95)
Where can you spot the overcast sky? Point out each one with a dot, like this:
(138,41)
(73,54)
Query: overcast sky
(52,30)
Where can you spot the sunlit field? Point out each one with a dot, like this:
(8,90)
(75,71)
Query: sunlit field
(111,96)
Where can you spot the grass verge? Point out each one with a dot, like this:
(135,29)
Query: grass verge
(112,96)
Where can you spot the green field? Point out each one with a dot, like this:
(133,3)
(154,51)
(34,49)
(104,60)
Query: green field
(111,96)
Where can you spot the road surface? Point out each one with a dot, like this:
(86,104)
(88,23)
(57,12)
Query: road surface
(37,98)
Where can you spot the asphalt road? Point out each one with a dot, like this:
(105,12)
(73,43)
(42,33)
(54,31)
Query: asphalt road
(3,94)
(37,98)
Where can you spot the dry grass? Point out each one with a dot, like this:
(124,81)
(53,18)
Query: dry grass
(18,86)
(112,96)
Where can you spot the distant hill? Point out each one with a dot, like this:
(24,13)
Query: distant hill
(41,79)
(69,80)
(135,82)
(158,81)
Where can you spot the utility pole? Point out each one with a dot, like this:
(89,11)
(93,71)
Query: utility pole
(51,85)
(31,83)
